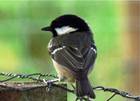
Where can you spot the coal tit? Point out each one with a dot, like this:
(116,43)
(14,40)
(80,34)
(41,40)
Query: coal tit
(73,51)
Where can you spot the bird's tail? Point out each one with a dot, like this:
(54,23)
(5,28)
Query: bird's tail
(83,88)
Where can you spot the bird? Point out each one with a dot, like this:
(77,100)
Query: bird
(73,52)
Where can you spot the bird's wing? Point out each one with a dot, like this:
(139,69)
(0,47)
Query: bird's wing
(73,58)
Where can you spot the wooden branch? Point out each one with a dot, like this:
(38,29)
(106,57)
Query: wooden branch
(30,91)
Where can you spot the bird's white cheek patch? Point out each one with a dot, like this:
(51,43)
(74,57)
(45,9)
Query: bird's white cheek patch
(65,30)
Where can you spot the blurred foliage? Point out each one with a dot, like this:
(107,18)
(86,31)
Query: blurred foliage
(23,45)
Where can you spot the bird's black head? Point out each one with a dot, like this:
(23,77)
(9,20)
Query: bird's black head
(67,24)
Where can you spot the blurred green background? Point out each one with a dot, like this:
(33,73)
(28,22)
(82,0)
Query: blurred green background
(23,46)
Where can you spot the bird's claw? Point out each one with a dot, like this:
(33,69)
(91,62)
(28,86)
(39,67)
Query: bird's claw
(49,84)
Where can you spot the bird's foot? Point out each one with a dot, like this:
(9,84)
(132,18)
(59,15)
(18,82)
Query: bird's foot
(50,83)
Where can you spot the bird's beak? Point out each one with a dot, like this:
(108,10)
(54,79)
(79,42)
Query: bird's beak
(46,28)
